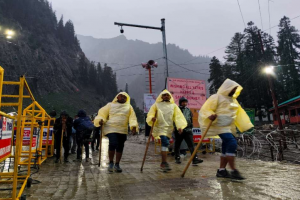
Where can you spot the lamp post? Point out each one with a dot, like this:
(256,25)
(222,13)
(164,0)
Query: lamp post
(269,70)
(163,31)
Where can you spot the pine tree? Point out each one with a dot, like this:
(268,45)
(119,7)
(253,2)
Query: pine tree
(288,44)
(70,34)
(216,75)
(60,31)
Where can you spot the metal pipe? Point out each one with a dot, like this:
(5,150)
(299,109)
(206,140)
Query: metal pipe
(138,26)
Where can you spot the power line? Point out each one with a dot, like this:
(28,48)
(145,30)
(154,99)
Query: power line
(241,13)
(269,16)
(187,68)
(133,66)
(261,21)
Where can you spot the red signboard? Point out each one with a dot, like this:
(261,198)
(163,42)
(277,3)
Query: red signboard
(6,128)
(193,90)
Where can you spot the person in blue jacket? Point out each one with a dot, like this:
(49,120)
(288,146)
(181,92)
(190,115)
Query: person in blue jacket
(79,125)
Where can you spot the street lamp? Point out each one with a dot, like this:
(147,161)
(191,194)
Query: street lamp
(269,70)
(9,34)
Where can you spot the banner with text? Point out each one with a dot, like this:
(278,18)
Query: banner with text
(193,90)
(6,129)
(149,100)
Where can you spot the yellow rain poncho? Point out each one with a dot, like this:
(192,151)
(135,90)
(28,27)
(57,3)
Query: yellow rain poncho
(168,113)
(116,116)
(229,112)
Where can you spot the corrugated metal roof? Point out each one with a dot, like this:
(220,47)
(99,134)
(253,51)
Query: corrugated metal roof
(286,102)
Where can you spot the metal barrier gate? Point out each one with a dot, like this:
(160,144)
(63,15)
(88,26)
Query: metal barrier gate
(33,117)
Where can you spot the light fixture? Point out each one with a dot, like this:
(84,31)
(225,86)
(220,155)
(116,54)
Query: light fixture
(269,70)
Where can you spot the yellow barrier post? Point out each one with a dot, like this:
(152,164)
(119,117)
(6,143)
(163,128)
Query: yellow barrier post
(18,141)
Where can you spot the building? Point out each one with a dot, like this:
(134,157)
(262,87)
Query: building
(289,111)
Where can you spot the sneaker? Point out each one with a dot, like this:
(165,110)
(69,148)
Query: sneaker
(223,174)
(66,160)
(111,167)
(165,166)
(235,174)
(73,152)
(177,160)
(118,168)
(87,159)
(196,161)
(57,160)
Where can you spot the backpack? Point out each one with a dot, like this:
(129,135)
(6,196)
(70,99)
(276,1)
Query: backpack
(87,127)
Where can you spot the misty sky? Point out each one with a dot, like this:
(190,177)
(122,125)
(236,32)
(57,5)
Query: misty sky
(200,26)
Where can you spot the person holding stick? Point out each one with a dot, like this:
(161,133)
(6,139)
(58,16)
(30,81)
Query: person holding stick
(63,131)
(115,117)
(226,114)
(164,113)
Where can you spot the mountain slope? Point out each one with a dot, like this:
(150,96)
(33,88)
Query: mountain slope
(48,53)
(122,53)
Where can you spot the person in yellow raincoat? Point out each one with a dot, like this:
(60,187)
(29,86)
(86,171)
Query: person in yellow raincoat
(115,117)
(164,113)
(227,114)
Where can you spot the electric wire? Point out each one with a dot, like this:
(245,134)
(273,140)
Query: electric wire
(261,21)
(241,13)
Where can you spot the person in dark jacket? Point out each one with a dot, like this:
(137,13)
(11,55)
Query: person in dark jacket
(78,126)
(63,125)
(187,133)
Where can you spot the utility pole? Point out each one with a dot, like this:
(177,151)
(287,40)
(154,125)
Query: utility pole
(275,103)
(163,30)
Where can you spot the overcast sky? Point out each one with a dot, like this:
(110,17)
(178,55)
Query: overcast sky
(200,26)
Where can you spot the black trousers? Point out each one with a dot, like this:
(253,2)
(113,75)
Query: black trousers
(80,144)
(188,137)
(96,140)
(66,142)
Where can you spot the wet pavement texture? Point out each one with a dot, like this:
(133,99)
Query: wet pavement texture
(265,180)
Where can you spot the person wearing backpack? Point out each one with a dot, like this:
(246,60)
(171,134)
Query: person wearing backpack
(187,133)
(84,134)
(115,117)
(63,125)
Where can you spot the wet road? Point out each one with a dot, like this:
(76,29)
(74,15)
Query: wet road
(265,180)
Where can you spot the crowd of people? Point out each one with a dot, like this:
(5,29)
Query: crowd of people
(74,134)
(221,114)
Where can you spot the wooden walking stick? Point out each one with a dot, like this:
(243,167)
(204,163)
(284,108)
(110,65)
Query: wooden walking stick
(100,146)
(148,142)
(61,143)
(196,149)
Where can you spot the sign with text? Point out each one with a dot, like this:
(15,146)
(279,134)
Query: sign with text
(45,136)
(197,136)
(26,137)
(149,100)
(6,130)
(193,90)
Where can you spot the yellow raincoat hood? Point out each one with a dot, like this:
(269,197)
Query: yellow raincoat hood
(125,94)
(228,86)
(116,116)
(229,112)
(159,98)
(166,114)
